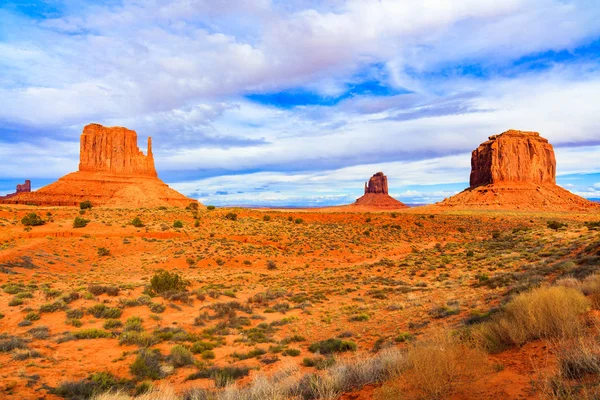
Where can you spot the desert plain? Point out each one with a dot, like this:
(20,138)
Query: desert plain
(258,294)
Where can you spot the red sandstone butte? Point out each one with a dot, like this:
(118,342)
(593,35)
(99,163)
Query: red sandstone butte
(113,171)
(516,170)
(376,195)
(114,150)
(21,188)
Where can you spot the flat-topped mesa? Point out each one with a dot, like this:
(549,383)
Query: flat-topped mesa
(25,187)
(511,157)
(21,188)
(516,170)
(114,150)
(378,184)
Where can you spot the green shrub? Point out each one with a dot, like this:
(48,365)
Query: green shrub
(231,216)
(32,316)
(15,301)
(291,352)
(85,205)
(271,265)
(75,313)
(222,376)
(266,218)
(555,225)
(97,290)
(32,219)
(165,281)
(360,317)
(133,324)
(141,339)
(202,346)
(147,365)
(210,208)
(177,224)
(137,222)
(192,206)
(80,222)
(103,252)
(53,307)
(332,345)
(92,333)
(181,356)
(102,311)
(112,324)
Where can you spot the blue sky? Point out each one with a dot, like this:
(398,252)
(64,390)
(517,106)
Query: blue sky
(264,102)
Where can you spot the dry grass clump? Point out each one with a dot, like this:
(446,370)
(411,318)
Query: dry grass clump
(347,374)
(439,366)
(548,312)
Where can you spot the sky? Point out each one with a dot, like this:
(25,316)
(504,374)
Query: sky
(298,103)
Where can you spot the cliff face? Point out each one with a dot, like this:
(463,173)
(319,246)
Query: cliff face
(378,184)
(513,156)
(114,150)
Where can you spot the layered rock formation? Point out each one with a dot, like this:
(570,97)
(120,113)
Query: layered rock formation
(21,188)
(114,150)
(113,171)
(376,194)
(378,184)
(515,170)
(514,156)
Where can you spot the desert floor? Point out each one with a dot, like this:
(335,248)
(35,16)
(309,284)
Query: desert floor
(263,285)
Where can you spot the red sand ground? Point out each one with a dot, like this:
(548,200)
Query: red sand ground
(393,267)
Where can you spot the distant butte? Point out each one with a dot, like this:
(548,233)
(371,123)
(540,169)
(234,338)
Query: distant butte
(515,170)
(113,171)
(21,188)
(376,194)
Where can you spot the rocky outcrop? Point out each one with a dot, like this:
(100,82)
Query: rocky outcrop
(376,195)
(24,188)
(516,170)
(112,172)
(21,188)
(114,150)
(513,156)
(378,184)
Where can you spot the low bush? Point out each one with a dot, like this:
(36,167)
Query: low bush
(85,205)
(97,290)
(165,281)
(142,339)
(80,222)
(178,224)
(332,345)
(181,356)
(102,311)
(222,376)
(147,365)
(549,312)
(32,219)
(92,333)
(137,222)
(231,216)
